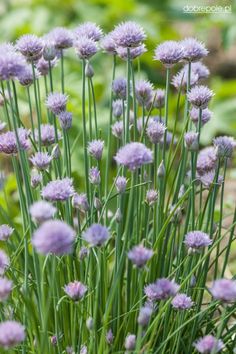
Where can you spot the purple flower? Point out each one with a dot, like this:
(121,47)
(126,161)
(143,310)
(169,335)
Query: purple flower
(119,87)
(65,119)
(53,340)
(159,98)
(35,179)
(96,235)
(75,290)
(83,253)
(94,175)
(5,288)
(144,91)
(108,44)
(109,337)
(145,315)
(130,342)
(133,52)
(5,232)
(182,302)
(85,47)
(208,343)
(41,211)
(206,160)
(139,255)
(151,197)
(191,141)
(56,102)
(26,77)
(47,134)
(95,148)
(197,240)
(41,160)
(205,115)
(199,69)
(133,155)
(8,141)
(54,236)
(155,131)
(193,49)
(58,190)
(224,290)
(117,108)
(30,46)
(224,146)
(61,37)
(12,64)
(80,201)
(11,334)
(200,96)
(121,183)
(4,262)
(117,129)
(128,34)
(43,66)
(169,53)
(162,289)
(181,78)
(208,178)
(89,30)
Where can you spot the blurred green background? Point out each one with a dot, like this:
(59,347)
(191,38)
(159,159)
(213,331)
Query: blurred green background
(161,20)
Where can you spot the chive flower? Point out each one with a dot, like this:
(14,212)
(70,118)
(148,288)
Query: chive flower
(30,46)
(200,96)
(193,49)
(96,235)
(5,288)
(8,141)
(58,190)
(128,34)
(208,343)
(133,155)
(95,148)
(75,290)
(139,255)
(90,30)
(41,160)
(196,240)
(162,289)
(5,232)
(224,290)
(169,53)
(42,211)
(56,102)
(182,302)
(12,333)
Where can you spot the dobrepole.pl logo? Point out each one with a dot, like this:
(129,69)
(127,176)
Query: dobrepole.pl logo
(207,9)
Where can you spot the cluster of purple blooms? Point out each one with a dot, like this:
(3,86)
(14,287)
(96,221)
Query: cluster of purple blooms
(53,236)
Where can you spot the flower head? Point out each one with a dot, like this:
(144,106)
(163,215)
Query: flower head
(4,262)
(96,235)
(95,148)
(80,201)
(158,98)
(197,240)
(94,175)
(109,337)
(41,211)
(117,108)
(5,288)
(128,34)
(12,64)
(89,30)
(30,46)
(208,178)
(41,160)
(54,236)
(47,134)
(130,342)
(117,129)
(56,102)
(108,44)
(85,47)
(61,37)
(224,290)
(224,145)
(75,290)
(144,316)
(58,190)
(11,334)
(191,141)
(65,119)
(8,141)
(181,78)
(119,87)
(206,160)
(35,178)
(200,96)
(5,232)
(169,53)
(121,183)
(151,197)
(43,66)
(26,76)
(199,69)
(182,302)
(139,255)
(144,91)
(208,343)
(155,131)
(193,49)
(162,289)
(205,115)
(133,155)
